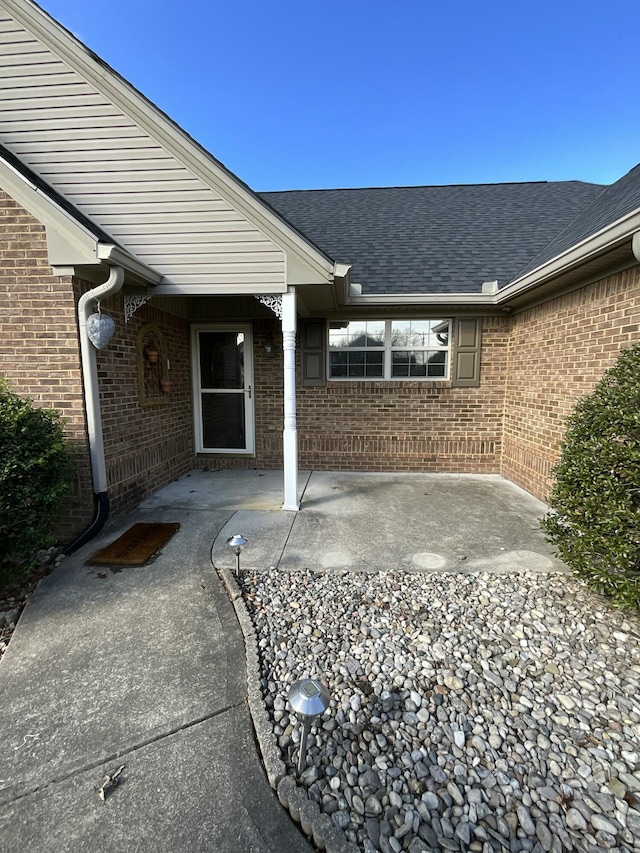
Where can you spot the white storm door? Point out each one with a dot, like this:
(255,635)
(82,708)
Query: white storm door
(223,385)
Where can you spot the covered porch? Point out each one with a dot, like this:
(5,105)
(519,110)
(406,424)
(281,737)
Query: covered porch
(243,358)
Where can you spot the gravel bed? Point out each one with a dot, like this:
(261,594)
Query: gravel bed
(477,711)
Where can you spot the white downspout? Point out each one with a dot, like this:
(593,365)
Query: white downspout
(90,376)
(290,434)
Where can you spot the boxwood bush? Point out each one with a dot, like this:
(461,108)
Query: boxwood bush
(35,473)
(594,524)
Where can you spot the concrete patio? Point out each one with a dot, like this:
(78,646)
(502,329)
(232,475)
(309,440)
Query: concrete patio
(369,522)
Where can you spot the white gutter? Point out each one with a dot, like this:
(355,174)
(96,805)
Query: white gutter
(115,255)
(478,299)
(606,238)
(219,290)
(90,376)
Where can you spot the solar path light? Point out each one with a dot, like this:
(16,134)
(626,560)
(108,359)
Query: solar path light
(309,699)
(237,542)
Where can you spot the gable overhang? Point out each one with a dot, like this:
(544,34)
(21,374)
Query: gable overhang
(305,263)
(71,245)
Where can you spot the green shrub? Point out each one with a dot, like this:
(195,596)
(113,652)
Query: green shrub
(595,519)
(35,472)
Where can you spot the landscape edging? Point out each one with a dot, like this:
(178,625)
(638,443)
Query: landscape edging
(293,797)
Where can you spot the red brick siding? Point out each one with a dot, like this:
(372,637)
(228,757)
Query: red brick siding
(408,426)
(39,351)
(146,446)
(557,352)
(383,426)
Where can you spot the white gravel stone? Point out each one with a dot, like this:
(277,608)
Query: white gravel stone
(459,739)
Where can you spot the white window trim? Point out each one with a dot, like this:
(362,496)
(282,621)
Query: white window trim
(388,349)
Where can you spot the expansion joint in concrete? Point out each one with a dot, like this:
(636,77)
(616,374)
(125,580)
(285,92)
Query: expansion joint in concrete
(118,755)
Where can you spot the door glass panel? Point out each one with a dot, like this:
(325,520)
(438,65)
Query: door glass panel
(223,400)
(223,423)
(221,360)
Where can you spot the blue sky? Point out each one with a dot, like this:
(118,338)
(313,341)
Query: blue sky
(297,95)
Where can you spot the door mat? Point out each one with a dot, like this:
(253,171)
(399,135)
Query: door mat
(136,546)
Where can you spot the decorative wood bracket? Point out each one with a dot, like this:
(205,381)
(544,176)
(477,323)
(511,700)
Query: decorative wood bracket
(272,302)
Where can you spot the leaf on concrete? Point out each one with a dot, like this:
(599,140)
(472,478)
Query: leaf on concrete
(110,781)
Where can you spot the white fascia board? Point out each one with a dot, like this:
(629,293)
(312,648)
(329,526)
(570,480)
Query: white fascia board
(342,271)
(342,280)
(218,290)
(436,299)
(63,249)
(606,238)
(170,135)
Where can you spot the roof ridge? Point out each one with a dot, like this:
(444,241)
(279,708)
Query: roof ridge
(432,186)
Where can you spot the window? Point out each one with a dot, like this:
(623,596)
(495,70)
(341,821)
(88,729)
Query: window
(389,349)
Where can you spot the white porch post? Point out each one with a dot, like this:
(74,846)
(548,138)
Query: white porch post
(290,434)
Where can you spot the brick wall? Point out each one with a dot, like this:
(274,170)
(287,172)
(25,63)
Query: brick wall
(557,352)
(408,426)
(146,446)
(148,439)
(39,351)
(535,365)
(382,426)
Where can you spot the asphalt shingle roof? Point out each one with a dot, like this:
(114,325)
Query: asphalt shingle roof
(614,202)
(435,239)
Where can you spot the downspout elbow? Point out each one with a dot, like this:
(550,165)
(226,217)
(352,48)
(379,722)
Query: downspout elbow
(112,285)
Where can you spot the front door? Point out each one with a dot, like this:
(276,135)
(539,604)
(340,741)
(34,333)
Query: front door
(223,379)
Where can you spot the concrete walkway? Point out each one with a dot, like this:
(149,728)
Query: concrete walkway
(145,667)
